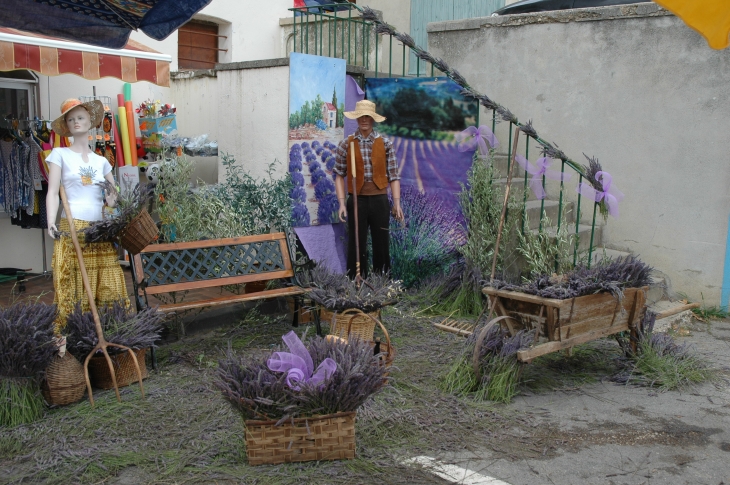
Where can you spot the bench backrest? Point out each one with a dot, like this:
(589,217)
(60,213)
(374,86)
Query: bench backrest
(213,262)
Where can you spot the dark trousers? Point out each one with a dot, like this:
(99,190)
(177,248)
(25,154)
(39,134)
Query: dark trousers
(373,213)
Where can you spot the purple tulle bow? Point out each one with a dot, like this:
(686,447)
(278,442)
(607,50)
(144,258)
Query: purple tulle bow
(537,171)
(298,364)
(611,195)
(471,138)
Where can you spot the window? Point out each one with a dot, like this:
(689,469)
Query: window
(197,45)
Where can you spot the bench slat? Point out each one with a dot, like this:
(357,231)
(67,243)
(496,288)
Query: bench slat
(209,243)
(213,282)
(259,295)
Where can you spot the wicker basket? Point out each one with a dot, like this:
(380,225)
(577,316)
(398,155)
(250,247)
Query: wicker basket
(327,437)
(351,323)
(64,383)
(140,232)
(124,369)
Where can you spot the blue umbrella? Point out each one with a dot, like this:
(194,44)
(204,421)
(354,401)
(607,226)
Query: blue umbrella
(106,23)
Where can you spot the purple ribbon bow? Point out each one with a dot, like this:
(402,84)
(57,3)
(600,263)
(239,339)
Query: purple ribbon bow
(471,138)
(537,171)
(298,364)
(611,195)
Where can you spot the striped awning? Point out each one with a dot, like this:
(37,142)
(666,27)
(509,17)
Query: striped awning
(52,57)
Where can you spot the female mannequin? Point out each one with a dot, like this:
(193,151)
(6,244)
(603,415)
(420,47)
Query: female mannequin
(80,170)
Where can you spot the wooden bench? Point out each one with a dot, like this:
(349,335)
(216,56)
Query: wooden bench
(165,268)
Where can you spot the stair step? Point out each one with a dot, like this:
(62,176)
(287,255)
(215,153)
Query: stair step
(584,235)
(551,211)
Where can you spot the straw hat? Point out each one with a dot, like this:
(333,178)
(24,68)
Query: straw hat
(364,108)
(95,109)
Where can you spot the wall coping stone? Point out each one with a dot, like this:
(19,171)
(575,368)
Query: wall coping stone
(635,10)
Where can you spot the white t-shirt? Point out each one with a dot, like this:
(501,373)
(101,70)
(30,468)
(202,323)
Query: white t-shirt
(79,178)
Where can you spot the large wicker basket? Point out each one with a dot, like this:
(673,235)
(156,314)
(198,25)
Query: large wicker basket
(327,437)
(140,232)
(64,383)
(351,323)
(124,369)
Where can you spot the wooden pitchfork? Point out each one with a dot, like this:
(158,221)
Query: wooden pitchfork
(353,176)
(102,344)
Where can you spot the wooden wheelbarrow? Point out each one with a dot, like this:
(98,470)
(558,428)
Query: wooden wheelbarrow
(102,343)
(562,324)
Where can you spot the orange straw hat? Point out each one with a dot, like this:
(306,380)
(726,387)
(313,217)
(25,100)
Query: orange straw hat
(364,108)
(95,109)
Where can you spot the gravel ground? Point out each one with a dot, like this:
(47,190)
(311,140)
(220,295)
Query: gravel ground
(567,425)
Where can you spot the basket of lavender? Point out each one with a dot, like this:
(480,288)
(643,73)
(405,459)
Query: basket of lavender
(131,224)
(301,405)
(338,297)
(27,348)
(121,325)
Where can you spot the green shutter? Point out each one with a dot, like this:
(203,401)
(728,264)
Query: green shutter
(425,11)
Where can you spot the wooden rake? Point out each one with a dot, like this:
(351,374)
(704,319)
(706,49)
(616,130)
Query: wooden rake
(102,343)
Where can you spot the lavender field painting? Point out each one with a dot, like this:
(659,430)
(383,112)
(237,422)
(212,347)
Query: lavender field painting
(423,117)
(316,120)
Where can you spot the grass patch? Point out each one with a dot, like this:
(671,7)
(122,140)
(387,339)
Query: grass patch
(20,401)
(676,368)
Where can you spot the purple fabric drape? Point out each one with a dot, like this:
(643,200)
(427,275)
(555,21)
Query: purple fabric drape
(298,365)
(473,138)
(610,194)
(353,94)
(537,171)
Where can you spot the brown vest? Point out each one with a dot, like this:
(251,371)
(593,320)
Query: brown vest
(380,176)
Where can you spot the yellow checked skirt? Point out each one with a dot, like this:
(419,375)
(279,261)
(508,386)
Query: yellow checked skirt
(105,275)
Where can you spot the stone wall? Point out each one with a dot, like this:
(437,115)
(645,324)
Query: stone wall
(635,87)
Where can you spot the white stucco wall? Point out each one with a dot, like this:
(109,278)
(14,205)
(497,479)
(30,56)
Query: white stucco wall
(245,108)
(637,88)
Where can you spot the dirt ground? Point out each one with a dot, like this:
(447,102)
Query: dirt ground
(569,424)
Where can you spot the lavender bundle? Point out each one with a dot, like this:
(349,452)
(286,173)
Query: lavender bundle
(260,393)
(26,339)
(337,292)
(27,347)
(612,276)
(120,325)
(499,369)
(660,361)
(129,204)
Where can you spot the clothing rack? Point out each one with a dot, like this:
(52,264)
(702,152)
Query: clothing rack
(12,123)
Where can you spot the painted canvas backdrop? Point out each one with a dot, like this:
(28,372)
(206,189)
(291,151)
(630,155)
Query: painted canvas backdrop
(423,115)
(316,106)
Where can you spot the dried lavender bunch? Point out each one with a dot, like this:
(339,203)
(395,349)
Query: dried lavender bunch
(337,292)
(528,129)
(458,78)
(551,151)
(368,14)
(121,325)
(611,276)
(591,170)
(406,39)
(506,115)
(499,343)
(26,339)
(260,393)
(129,204)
